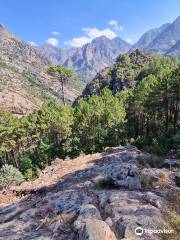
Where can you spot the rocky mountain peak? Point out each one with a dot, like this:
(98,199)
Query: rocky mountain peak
(89,59)
(100,38)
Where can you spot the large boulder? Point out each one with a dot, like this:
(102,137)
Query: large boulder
(124,176)
(87,211)
(130,210)
(96,230)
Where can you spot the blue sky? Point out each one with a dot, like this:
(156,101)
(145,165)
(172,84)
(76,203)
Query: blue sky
(67,23)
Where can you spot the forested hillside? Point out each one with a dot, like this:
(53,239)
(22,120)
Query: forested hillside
(144,110)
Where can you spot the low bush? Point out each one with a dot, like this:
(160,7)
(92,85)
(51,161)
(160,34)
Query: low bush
(109,150)
(145,181)
(105,183)
(10,175)
(154,161)
(176,140)
(25,166)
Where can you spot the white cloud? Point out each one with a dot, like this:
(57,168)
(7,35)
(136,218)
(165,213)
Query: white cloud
(94,32)
(52,41)
(32,43)
(90,34)
(129,40)
(78,42)
(56,33)
(117,26)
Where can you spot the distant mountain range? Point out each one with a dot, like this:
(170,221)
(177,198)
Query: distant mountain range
(88,60)
(24,83)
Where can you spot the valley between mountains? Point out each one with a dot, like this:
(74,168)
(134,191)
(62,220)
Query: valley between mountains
(90,138)
(24,80)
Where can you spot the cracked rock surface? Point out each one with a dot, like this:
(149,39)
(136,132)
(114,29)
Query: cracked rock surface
(95,197)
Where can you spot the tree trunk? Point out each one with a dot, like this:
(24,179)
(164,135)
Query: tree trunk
(63,95)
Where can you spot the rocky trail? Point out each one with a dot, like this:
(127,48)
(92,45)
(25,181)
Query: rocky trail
(103,196)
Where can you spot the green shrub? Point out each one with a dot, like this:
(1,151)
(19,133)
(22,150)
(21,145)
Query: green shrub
(28,174)
(145,181)
(25,166)
(10,175)
(176,140)
(175,220)
(154,161)
(104,183)
(47,154)
(109,150)
(100,183)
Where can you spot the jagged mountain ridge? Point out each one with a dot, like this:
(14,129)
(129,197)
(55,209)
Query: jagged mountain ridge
(55,54)
(91,58)
(88,60)
(24,83)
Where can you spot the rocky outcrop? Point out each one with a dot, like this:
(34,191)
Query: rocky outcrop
(95,197)
(120,76)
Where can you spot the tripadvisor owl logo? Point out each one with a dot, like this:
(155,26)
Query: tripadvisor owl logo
(139,231)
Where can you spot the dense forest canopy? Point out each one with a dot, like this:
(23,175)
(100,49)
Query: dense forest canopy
(147,114)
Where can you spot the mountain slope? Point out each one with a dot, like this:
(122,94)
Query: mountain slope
(56,55)
(162,40)
(174,51)
(24,83)
(166,39)
(88,60)
(94,56)
(149,36)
